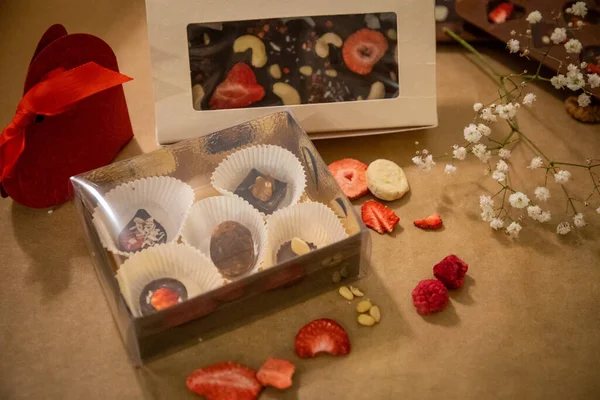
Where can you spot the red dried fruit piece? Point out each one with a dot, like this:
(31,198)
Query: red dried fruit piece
(363,49)
(430,296)
(239,89)
(451,271)
(277,373)
(225,381)
(322,336)
(164,298)
(378,217)
(434,221)
(501,13)
(593,68)
(351,175)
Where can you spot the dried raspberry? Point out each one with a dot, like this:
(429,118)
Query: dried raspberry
(451,271)
(430,296)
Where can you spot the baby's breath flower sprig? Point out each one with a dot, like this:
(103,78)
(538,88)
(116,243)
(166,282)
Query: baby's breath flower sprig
(481,140)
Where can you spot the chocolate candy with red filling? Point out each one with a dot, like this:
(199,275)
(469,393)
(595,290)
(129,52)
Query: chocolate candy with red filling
(293,248)
(232,249)
(160,294)
(141,232)
(262,191)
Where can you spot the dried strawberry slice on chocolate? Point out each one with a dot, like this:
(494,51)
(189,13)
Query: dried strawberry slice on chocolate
(363,49)
(351,175)
(500,14)
(239,89)
(322,336)
(378,217)
(225,381)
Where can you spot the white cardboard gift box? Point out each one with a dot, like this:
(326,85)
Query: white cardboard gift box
(176,119)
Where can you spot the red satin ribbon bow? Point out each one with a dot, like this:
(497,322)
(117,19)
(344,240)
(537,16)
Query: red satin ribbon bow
(58,92)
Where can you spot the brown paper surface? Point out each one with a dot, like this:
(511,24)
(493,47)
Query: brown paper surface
(525,326)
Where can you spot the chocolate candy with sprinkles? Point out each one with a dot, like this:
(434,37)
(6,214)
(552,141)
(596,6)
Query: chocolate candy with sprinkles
(141,232)
(160,294)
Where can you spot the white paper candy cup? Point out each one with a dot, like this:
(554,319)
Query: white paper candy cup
(171,260)
(208,213)
(312,222)
(167,200)
(267,159)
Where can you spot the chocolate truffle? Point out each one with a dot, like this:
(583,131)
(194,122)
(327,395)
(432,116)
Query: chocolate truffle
(232,249)
(286,251)
(141,232)
(160,294)
(262,191)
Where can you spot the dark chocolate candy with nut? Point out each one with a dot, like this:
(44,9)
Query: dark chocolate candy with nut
(232,249)
(160,294)
(262,191)
(141,232)
(286,253)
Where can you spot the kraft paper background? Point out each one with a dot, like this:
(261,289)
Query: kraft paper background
(525,326)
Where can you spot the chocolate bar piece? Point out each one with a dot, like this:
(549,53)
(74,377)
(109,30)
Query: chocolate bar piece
(232,249)
(160,294)
(141,232)
(262,191)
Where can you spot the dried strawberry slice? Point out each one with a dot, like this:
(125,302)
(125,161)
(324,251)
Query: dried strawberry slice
(363,49)
(239,89)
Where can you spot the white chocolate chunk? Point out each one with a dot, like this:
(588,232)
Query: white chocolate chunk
(377,91)
(366,320)
(364,306)
(322,44)
(375,313)
(306,70)
(299,246)
(286,93)
(259,53)
(441,13)
(275,71)
(386,180)
(372,21)
(346,293)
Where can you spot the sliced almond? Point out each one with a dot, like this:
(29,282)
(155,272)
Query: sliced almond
(306,70)
(346,293)
(337,277)
(366,320)
(375,313)
(364,306)
(299,246)
(356,292)
(275,71)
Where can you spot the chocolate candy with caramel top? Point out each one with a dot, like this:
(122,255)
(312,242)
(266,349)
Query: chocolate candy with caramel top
(160,294)
(262,191)
(232,249)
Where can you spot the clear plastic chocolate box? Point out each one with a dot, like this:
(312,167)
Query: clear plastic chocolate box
(200,237)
